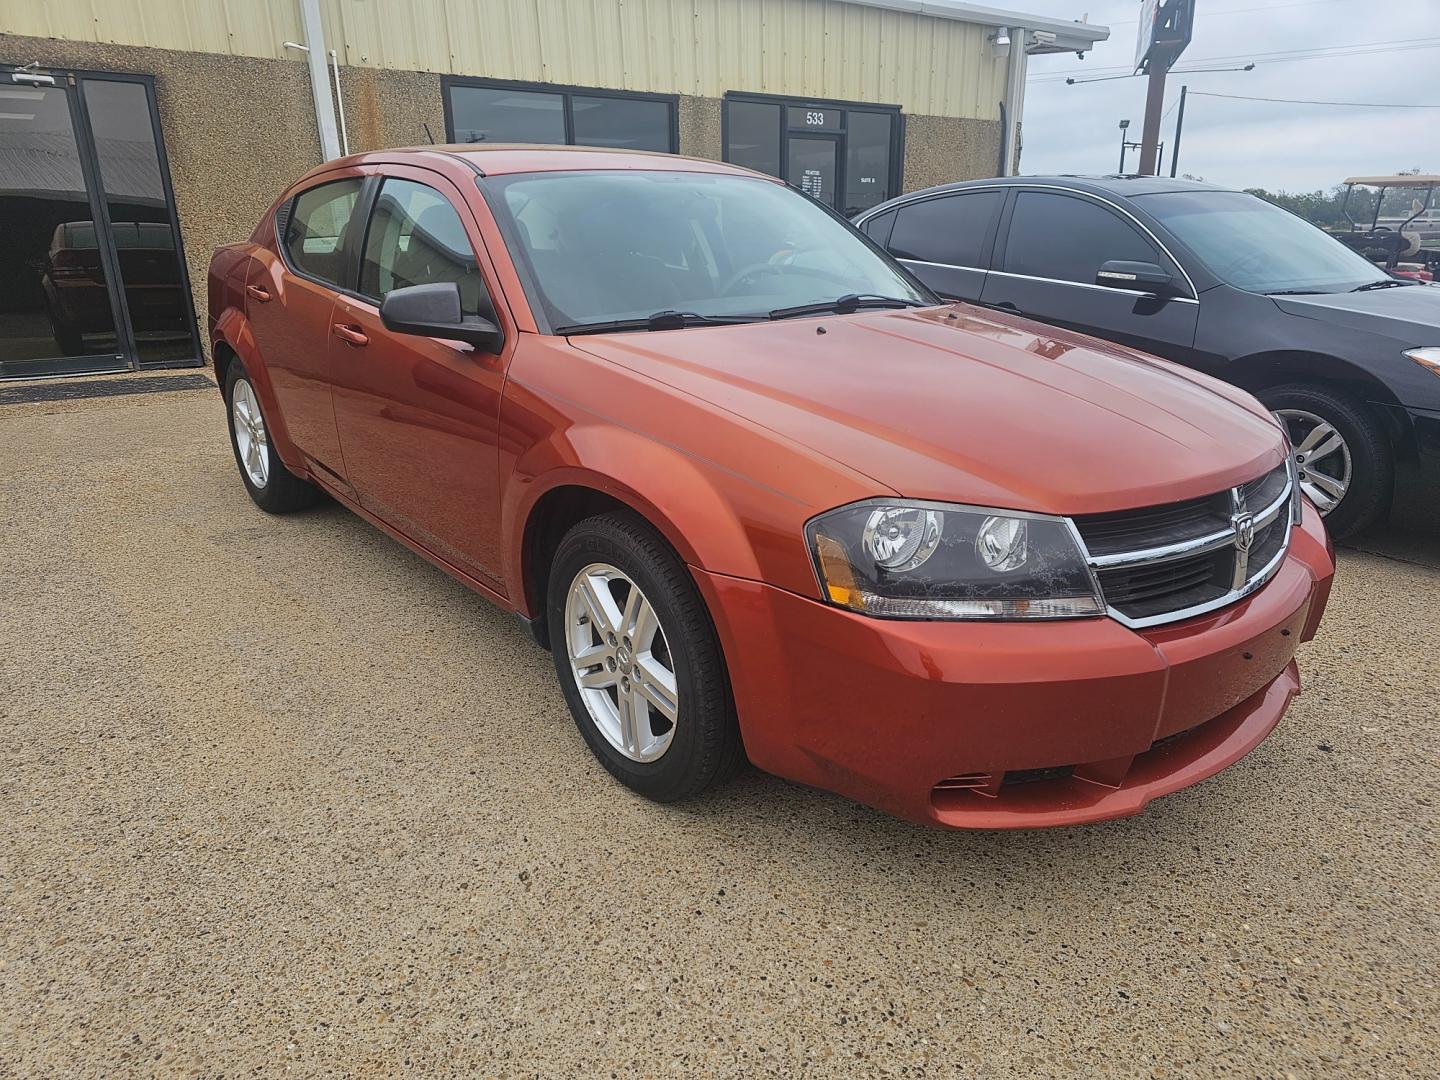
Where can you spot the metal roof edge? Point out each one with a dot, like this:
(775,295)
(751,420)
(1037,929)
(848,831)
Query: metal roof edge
(1070,36)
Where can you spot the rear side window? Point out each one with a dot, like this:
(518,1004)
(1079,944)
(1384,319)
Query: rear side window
(1065,238)
(951,230)
(878,227)
(315,230)
(416,238)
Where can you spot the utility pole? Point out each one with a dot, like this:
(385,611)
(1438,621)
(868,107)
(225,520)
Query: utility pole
(1179,127)
(1154,105)
(1165,29)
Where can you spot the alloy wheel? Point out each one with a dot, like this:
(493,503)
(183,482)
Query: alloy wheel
(621,662)
(250,436)
(1322,457)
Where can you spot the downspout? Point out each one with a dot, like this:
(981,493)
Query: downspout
(1014,102)
(316,55)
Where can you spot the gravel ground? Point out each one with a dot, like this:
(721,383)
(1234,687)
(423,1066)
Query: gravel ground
(279,799)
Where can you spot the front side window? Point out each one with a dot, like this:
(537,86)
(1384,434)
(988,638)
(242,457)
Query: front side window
(950,230)
(610,245)
(496,113)
(1256,246)
(1066,238)
(416,238)
(315,230)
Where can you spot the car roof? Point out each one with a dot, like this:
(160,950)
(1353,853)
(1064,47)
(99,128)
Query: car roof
(495,159)
(1121,184)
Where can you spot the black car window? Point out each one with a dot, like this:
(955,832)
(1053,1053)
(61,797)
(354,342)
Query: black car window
(1067,238)
(416,238)
(950,230)
(315,231)
(878,227)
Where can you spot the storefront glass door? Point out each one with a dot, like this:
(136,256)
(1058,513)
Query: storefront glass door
(92,277)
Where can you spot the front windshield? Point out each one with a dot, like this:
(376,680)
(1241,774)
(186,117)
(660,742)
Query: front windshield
(1251,244)
(606,246)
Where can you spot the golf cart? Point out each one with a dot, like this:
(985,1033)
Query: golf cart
(1402,234)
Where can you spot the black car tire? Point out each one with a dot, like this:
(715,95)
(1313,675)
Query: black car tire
(705,748)
(282,492)
(1372,457)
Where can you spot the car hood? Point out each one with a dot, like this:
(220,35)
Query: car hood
(1409,313)
(968,405)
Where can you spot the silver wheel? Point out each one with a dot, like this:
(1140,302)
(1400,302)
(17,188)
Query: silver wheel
(250,437)
(1322,457)
(621,662)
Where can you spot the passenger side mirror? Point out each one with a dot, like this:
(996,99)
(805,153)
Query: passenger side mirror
(435,311)
(1136,276)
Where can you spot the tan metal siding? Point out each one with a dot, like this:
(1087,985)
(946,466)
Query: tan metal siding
(805,48)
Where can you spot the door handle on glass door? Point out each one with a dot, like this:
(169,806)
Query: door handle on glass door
(349,334)
(255,292)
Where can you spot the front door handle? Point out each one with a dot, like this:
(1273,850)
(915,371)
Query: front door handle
(349,334)
(255,292)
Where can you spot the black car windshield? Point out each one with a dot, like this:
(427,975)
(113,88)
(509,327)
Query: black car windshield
(612,246)
(1253,245)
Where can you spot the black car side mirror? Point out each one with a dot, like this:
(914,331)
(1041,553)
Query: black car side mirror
(1136,276)
(435,311)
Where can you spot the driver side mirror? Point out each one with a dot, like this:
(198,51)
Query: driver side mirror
(435,311)
(1136,276)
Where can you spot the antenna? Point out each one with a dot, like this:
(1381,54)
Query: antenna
(427,133)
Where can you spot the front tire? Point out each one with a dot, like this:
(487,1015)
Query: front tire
(273,487)
(639,661)
(1342,453)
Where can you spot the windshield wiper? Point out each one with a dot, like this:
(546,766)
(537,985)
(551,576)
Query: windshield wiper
(661,320)
(1294,292)
(845,305)
(1386,283)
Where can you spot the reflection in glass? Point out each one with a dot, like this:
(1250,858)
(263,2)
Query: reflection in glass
(752,137)
(867,161)
(495,115)
(633,123)
(53,298)
(141,220)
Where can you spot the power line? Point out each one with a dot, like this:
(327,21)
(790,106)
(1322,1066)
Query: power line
(1279,57)
(1301,101)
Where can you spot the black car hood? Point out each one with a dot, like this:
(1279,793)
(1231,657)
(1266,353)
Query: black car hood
(1410,313)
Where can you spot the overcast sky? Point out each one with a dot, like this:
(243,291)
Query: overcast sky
(1249,143)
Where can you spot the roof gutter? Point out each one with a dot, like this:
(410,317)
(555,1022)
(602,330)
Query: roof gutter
(1068,36)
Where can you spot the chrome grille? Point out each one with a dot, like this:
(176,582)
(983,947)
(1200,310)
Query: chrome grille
(1163,563)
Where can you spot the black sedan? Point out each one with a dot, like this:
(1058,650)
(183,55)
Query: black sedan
(1218,280)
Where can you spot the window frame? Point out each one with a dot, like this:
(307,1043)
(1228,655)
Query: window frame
(786,102)
(989,245)
(371,203)
(349,263)
(567,93)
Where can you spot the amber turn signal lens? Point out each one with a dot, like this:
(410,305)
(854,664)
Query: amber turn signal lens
(839,576)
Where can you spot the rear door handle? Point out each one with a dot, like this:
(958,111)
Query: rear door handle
(255,292)
(349,334)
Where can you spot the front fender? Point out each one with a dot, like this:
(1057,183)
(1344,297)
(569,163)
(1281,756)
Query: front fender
(693,503)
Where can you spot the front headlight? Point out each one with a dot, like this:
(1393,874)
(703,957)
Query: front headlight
(903,559)
(1426,357)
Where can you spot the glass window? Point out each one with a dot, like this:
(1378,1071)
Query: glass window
(867,161)
(950,230)
(752,136)
(878,227)
(632,123)
(1056,236)
(416,238)
(315,233)
(496,114)
(1256,246)
(612,245)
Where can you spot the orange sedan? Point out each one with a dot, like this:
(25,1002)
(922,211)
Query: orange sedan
(765,496)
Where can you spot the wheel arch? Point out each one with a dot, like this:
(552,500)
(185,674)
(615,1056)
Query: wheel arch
(231,340)
(1263,371)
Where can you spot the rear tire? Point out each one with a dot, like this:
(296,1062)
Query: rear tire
(1360,470)
(273,487)
(626,619)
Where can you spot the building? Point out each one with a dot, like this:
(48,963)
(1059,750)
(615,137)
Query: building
(137,135)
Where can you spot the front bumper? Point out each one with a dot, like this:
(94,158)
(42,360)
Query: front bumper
(1011,724)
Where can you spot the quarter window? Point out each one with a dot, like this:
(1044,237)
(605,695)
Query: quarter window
(1057,236)
(484,112)
(952,230)
(416,238)
(315,231)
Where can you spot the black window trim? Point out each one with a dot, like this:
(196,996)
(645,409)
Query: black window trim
(567,93)
(784,101)
(1007,214)
(356,271)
